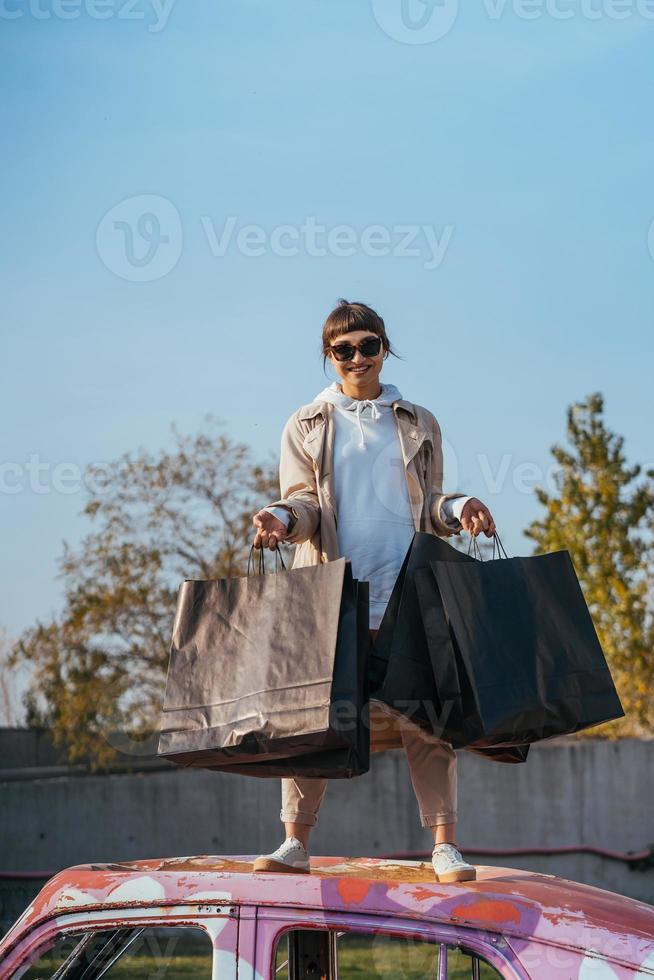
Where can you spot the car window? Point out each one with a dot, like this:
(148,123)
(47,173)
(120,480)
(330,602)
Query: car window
(360,957)
(140,953)
(462,966)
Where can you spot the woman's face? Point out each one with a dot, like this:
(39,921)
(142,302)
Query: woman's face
(360,372)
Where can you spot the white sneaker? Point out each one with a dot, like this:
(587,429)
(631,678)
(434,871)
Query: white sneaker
(450,866)
(291,856)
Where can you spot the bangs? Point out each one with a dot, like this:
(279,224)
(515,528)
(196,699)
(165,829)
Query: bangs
(348,317)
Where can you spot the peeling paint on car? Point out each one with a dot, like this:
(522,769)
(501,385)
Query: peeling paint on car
(485,911)
(556,928)
(140,888)
(353,890)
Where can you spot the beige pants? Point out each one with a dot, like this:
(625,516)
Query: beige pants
(432,765)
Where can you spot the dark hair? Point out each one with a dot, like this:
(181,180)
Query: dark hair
(347,317)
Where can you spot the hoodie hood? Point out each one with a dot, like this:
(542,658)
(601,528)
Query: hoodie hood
(370,406)
(334,394)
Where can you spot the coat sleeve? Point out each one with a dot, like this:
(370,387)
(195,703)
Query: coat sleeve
(442,524)
(297,480)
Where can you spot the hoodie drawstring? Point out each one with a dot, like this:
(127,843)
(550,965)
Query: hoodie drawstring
(357,407)
(333,394)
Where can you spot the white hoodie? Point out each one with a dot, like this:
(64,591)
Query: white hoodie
(373,512)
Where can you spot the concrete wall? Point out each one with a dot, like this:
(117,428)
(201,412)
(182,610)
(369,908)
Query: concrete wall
(569,792)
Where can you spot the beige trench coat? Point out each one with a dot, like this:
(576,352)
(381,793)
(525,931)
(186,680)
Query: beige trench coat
(306,481)
(306,477)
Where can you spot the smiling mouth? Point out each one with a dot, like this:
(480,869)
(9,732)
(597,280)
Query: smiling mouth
(359,370)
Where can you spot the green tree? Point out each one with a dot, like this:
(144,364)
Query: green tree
(158,518)
(12,682)
(602,513)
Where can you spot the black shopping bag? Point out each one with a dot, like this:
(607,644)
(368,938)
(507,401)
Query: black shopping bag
(260,668)
(413,664)
(403,673)
(460,724)
(530,654)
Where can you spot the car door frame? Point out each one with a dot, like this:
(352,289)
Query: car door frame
(273,922)
(219,920)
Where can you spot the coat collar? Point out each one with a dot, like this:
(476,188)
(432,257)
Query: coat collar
(406,406)
(411,435)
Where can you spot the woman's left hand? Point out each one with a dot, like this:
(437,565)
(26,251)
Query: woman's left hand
(476,517)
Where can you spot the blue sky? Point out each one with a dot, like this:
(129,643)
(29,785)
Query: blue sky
(521,147)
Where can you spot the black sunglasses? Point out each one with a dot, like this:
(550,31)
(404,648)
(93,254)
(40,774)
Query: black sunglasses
(369,347)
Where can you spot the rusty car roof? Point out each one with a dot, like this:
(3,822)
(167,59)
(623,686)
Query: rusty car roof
(522,904)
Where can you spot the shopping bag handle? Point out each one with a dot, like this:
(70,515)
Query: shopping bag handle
(473,547)
(501,552)
(261,564)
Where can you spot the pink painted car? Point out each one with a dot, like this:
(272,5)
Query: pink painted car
(206,917)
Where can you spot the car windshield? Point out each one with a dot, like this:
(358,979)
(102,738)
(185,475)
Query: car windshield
(134,952)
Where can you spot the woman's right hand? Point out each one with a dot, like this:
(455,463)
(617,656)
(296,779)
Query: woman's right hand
(270,530)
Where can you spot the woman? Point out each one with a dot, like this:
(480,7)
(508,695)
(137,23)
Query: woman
(361,470)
